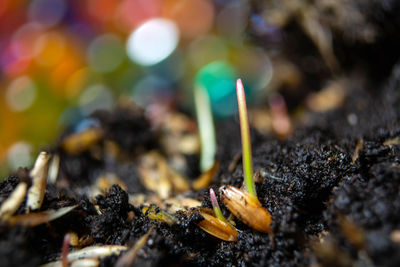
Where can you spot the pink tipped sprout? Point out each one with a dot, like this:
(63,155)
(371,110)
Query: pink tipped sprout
(65,250)
(216,208)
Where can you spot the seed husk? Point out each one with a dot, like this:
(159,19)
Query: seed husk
(392,141)
(85,263)
(95,252)
(82,141)
(359,146)
(179,182)
(204,180)
(12,203)
(105,181)
(39,179)
(354,233)
(54,168)
(217,228)
(76,263)
(35,218)
(153,174)
(246,208)
(158,176)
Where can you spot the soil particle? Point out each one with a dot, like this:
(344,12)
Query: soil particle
(110,226)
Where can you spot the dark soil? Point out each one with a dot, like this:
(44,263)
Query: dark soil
(329,207)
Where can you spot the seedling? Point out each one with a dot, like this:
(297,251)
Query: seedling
(217,226)
(216,208)
(65,250)
(38,174)
(12,203)
(245,204)
(246,143)
(206,128)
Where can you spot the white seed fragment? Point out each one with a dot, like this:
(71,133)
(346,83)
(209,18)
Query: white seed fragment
(12,203)
(39,177)
(53,169)
(85,263)
(96,252)
(76,263)
(52,264)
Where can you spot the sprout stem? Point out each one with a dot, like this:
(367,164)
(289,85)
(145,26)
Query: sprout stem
(246,143)
(65,250)
(217,209)
(206,128)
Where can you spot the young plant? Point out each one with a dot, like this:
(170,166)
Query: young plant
(246,143)
(217,226)
(65,250)
(216,208)
(206,128)
(244,204)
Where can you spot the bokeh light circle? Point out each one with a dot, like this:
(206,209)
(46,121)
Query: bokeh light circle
(153,41)
(193,17)
(207,49)
(105,53)
(49,48)
(255,65)
(21,93)
(131,13)
(47,12)
(148,88)
(20,155)
(231,21)
(97,96)
(23,40)
(218,78)
(76,81)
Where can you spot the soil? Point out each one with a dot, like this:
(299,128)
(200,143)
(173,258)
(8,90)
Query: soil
(332,187)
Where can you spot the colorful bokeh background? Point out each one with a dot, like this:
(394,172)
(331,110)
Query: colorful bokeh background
(62,59)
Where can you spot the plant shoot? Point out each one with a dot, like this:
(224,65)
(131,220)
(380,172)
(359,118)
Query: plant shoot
(216,208)
(246,143)
(206,128)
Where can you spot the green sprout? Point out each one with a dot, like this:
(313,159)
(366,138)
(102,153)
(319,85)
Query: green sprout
(206,128)
(216,208)
(246,143)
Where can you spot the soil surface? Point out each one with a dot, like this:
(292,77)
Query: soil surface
(332,186)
